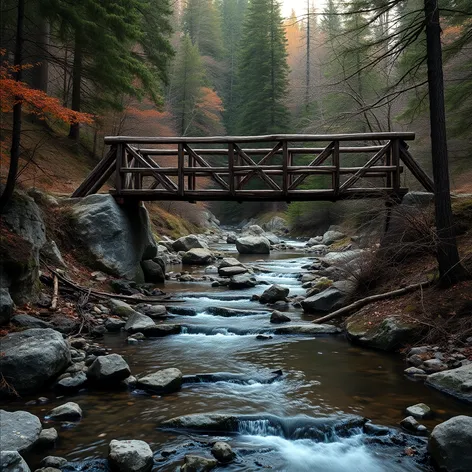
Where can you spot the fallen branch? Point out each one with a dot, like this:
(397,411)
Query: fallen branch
(373,298)
(55,295)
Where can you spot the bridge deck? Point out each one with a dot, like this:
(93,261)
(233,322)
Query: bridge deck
(253,168)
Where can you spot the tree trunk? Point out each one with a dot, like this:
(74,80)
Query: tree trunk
(16,132)
(40,74)
(450,269)
(76,85)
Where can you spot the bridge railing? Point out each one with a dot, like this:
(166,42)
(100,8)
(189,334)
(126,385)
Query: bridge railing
(247,168)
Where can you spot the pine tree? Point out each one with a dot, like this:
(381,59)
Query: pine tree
(263,71)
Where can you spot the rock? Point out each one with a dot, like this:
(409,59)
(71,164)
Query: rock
(342,259)
(274,294)
(120,308)
(434,365)
(276,224)
(419,411)
(264,337)
(186,243)
(455,382)
(415,372)
(386,334)
(242,281)
(182,310)
(161,330)
(110,369)
(229,312)
(278,317)
(132,341)
(253,245)
(195,463)
(329,299)
(162,381)
(72,384)
(197,257)
(153,272)
(231,271)
(6,306)
(115,237)
(153,311)
(70,411)
(19,431)
(51,253)
(54,462)
(418,199)
(229,262)
(272,238)
(450,444)
(130,456)
(222,452)
(253,230)
(11,461)
(28,321)
(114,324)
(47,438)
(308,329)
(331,236)
(32,358)
(138,322)
(412,426)
(314,241)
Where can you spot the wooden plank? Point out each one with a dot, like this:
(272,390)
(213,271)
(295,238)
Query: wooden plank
(181,175)
(415,169)
(336,163)
(395,161)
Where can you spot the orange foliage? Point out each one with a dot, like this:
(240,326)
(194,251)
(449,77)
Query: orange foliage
(210,105)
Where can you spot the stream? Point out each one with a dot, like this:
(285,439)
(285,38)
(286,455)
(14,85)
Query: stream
(324,378)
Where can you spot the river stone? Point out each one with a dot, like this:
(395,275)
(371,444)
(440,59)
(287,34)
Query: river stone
(450,444)
(19,431)
(28,321)
(120,308)
(242,281)
(114,324)
(195,463)
(231,238)
(47,438)
(230,271)
(11,461)
(109,369)
(153,311)
(308,329)
(419,411)
(229,262)
(411,425)
(54,462)
(130,456)
(32,358)
(274,294)
(138,322)
(455,382)
(68,411)
(197,256)
(278,317)
(329,299)
(253,245)
(222,452)
(153,272)
(229,312)
(185,243)
(162,381)
(331,236)
(161,330)
(72,384)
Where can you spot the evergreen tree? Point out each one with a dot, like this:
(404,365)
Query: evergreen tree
(262,71)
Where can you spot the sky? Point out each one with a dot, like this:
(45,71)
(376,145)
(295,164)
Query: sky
(299,6)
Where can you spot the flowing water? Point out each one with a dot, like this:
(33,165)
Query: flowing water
(325,377)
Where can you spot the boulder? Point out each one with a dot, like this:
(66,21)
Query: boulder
(386,334)
(330,299)
(231,238)
(6,306)
(110,369)
(455,382)
(229,262)
(319,249)
(114,324)
(186,243)
(162,381)
(28,321)
(130,456)
(197,256)
(229,312)
(314,241)
(161,330)
(47,438)
(231,271)
(195,463)
(450,444)
(19,431)
(276,224)
(308,329)
(69,411)
(153,311)
(153,272)
(11,461)
(137,322)
(72,384)
(53,463)
(419,411)
(51,253)
(223,452)
(32,358)
(272,238)
(115,238)
(343,258)
(253,245)
(277,317)
(331,236)
(120,308)
(242,281)
(274,294)
(253,230)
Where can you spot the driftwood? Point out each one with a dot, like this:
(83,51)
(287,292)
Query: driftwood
(55,295)
(373,298)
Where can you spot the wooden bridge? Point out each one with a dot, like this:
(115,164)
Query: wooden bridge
(253,168)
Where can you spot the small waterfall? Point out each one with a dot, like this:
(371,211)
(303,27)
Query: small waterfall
(260,427)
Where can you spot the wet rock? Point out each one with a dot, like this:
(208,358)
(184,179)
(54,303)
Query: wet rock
(153,311)
(386,334)
(138,322)
(130,456)
(264,337)
(153,272)
(197,257)
(434,365)
(69,411)
(274,294)
(241,379)
(120,308)
(328,300)
(132,341)
(419,350)
(412,426)
(223,452)
(415,372)
(47,438)
(182,310)
(114,325)
(419,411)
(308,329)
(161,330)
(242,281)
(229,312)
(277,317)
(195,463)
(54,462)
(231,238)
(108,370)
(186,243)
(162,381)
(450,444)
(72,384)
(455,382)
(253,245)
(331,236)
(32,358)
(230,271)
(11,461)
(19,431)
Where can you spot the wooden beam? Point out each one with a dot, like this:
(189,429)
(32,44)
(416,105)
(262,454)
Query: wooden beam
(181,175)
(415,169)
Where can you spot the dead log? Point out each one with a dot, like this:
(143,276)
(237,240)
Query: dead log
(373,298)
(55,294)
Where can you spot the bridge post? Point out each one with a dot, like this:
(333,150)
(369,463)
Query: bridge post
(180,169)
(285,159)
(336,163)
(231,169)
(119,163)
